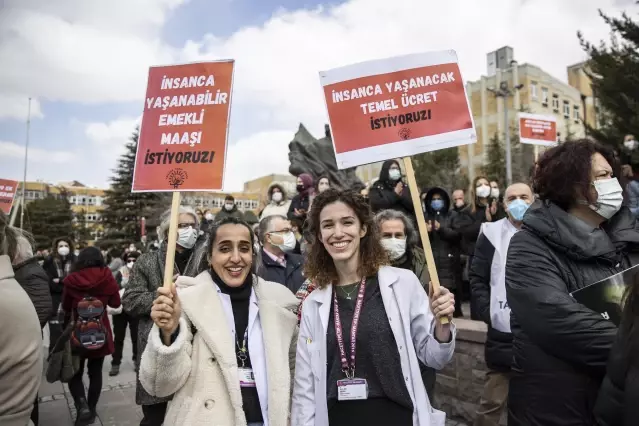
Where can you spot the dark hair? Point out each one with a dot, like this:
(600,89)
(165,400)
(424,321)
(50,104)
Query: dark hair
(384,174)
(229,220)
(90,257)
(319,266)
(317,181)
(229,198)
(69,241)
(131,255)
(564,172)
(473,198)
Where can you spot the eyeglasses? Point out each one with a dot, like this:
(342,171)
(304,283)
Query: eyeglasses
(185,225)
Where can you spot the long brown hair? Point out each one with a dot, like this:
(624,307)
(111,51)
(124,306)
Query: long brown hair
(319,266)
(473,193)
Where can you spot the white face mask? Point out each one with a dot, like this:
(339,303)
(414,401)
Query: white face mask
(187,237)
(395,247)
(609,197)
(459,204)
(494,192)
(63,251)
(228,206)
(130,265)
(289,243)
(208,216)
(277,197)
(631,144)
(394,174)
(483,191)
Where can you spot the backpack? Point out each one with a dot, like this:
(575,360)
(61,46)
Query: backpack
(89,332)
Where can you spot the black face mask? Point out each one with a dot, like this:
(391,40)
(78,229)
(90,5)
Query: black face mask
(300,188)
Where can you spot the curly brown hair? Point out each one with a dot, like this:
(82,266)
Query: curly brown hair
(319,267)
(564,173)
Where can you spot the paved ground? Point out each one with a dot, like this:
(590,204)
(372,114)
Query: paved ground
(117,404)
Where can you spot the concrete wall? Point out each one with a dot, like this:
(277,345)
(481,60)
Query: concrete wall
(460,385)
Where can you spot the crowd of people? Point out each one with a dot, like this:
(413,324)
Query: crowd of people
(324,312)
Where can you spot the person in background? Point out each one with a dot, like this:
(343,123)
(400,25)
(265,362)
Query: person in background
(21,357)
(488,285)
(207,220)
(459,200)
(115,262)
(578,233)
(121,319)
(444,241)
(632,189)
(496,201)
(619,394)
(390,192)
(348,265)
(630,151)
(229,209)
(146,277)
(223,324)
(300,203)
(200,214)
(278,263)
(58,266)
(323,183)
(278,202)
(90,277)
(399,239)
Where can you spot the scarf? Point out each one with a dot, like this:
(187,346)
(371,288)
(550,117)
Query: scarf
(62,270)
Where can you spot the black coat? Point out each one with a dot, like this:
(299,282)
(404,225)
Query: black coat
(499,345)
(55,288)
(34,280)
(560,347)
(468,223)
(618,400)
(291,276)
(444,242)
(299,202)
(383,197)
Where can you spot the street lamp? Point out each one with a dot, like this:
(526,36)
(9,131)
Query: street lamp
(505,92)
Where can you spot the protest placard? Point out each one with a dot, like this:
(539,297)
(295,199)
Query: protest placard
(8,190)
(183,135)
(537,129)
(397,107)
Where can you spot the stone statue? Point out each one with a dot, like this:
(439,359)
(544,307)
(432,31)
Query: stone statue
(316,157)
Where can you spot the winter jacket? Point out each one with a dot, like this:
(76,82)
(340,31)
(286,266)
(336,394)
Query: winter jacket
(290,276)
(445,241)
(201,369)
(94,282)
(560,347)
(146,276)
(299,202)
(498,348)
(273,208)
(51,269)
(468,225)
(617,400)
(234,212)
(383,197)
(20,350)
(30,275)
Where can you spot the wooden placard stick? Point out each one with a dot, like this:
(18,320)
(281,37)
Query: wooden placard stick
(172,240)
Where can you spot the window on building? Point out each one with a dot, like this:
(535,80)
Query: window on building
(533,90)
(575,113)
(555,102)
(566,109)
(544,96)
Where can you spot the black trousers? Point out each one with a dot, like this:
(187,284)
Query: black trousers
(120,323)
(153,414)
(94,368)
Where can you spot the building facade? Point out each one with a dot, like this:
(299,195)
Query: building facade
(540,93)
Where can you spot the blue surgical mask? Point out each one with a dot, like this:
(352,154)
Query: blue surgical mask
(517,209)
(394,174)
(437,204)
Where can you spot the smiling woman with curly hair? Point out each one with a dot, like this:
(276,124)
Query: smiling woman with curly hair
(376,378)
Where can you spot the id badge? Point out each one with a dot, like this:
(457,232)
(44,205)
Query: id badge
(352,389)
(247,379)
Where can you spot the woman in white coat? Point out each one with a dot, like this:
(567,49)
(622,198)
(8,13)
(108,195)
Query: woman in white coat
(224,341)
(377,380)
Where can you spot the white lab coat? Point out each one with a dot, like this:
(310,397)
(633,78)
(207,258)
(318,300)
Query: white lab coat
(412,322)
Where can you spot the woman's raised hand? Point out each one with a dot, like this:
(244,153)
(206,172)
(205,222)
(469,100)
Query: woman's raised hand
(166,310)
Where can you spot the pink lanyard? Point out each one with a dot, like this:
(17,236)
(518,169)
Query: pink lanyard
(348,368)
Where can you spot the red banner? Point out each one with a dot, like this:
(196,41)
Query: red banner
(8,189)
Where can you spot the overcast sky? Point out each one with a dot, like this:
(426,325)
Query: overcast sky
(85,64)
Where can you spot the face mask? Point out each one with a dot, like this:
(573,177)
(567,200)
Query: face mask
(483,191)
(395,247)
(494,192)
(208,216)
(394,174)
(459,204)
(130,265)
(63,251)
(437,204)
(610,197)
(630,144)
(228,206)
(299,188)
(277,197)
(323,187)
(187,237)
(76,253)
(517,208)
(289,242)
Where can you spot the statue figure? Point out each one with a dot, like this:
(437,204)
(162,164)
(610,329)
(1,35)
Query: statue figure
(317,157)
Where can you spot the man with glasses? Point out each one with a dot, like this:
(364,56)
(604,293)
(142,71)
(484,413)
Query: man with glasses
(278,263)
